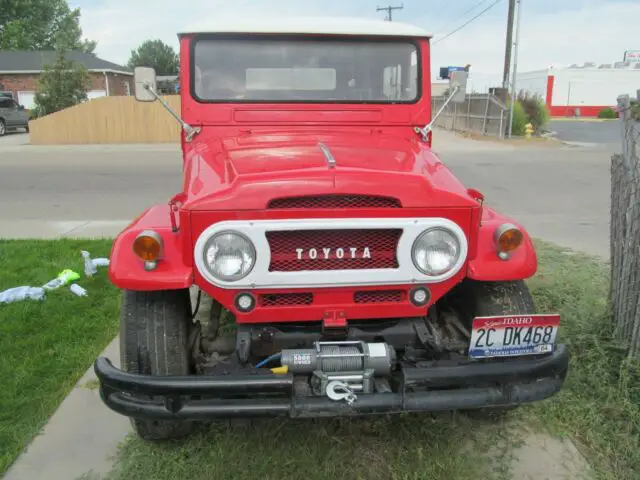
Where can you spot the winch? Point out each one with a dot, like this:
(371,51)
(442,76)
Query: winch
(353,363)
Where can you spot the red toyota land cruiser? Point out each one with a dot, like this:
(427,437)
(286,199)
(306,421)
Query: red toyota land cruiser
(347,270)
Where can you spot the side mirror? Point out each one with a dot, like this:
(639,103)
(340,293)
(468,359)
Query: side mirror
(145,80)
(458,78)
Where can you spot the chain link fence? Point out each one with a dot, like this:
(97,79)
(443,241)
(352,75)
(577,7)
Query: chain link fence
(625,232)
(484,114)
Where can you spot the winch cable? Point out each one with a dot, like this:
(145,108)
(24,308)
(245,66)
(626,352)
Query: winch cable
(275,356)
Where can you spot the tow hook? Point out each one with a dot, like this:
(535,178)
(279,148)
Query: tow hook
(337,391)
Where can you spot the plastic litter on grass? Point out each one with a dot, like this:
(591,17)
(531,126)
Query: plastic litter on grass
(91,265)
(18,294)
(65,277)
(78,290)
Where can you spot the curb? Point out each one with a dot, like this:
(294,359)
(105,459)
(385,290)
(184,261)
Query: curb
(582,119)
(81,438)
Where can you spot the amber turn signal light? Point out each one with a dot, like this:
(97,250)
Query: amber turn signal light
(148,246)
(508,237)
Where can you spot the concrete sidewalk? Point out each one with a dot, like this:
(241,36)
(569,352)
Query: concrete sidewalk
(80,438)
(62,229)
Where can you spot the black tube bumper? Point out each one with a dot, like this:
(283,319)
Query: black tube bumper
(430,386)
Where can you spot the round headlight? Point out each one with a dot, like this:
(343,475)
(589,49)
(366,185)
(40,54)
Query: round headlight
(435,251)
(229,256)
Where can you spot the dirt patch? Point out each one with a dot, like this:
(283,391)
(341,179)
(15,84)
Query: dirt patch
(543,457)
(523,452)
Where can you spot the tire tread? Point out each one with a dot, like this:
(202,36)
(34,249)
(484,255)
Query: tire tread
(153,341)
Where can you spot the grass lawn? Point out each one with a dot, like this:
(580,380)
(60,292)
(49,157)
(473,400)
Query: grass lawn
(45,347)
(598,409)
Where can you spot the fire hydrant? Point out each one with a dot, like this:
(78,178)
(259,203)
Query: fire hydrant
(528,130)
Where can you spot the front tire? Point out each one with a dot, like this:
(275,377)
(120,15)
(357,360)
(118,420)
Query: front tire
(3,128)
(153,341)
(500,298)
(487,299)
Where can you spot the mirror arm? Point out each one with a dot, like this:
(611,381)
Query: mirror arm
(188,129)
(424,132)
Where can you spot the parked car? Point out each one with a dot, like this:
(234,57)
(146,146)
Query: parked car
(346,269)
(12,115)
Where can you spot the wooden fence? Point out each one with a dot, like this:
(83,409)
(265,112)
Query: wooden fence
(625,232)
(125,120)
(108,120)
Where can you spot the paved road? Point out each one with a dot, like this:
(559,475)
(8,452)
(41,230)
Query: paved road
(560,194)
(93,190)
(607,132)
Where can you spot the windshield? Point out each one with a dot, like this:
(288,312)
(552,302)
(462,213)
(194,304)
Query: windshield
(267,70)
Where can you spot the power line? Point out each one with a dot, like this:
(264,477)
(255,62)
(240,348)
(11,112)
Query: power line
(468,22)
(468,10)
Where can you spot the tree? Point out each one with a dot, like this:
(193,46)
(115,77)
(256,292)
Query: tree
(41,25)
(156,54)
(62,84)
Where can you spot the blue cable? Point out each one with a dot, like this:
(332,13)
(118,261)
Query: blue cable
(268,359)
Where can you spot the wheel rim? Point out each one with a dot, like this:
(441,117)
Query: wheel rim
(1,128)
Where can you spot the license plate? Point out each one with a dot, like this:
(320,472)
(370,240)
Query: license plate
(513,335)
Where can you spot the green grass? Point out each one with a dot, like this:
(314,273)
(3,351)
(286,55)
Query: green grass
(446,446)
(598,409)
(45,347)
(599,406)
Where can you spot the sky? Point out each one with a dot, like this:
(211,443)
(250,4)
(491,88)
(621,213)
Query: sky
(553,32)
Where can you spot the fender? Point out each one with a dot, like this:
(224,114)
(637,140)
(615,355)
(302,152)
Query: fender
(127,271)
(487,266)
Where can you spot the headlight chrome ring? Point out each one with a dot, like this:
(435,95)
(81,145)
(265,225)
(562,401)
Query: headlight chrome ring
(436,251)
(229,255)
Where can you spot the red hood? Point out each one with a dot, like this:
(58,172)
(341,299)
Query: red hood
(245,172)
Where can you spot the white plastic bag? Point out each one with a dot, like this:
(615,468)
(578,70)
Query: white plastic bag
(18,294)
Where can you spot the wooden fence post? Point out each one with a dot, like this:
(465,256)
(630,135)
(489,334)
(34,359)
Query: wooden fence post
(625,233)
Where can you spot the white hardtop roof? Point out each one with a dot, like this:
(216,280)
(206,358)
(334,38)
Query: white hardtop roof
(309,25)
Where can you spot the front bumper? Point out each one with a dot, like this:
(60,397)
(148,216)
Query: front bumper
(429,386)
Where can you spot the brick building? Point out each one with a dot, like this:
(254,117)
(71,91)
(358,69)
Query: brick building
(19,72)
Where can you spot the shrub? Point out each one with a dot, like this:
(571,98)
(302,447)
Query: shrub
(61,85)
(535,109)
(520,119)
(607,113)
(635,110)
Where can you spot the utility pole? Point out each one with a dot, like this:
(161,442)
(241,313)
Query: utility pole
(514,92)
(389,10)
(509,43)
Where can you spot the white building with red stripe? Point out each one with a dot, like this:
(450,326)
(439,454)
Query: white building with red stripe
(581,90)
